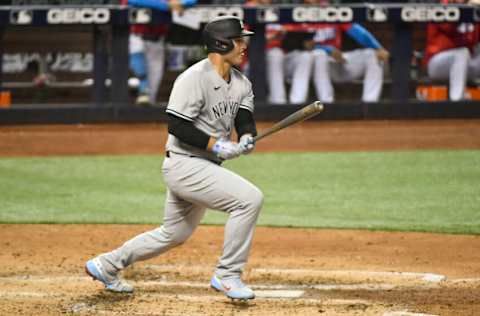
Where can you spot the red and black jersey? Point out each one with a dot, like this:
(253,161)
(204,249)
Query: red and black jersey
(444,36)
(322,33)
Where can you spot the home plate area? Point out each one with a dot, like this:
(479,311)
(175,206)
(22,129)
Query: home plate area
(184,290)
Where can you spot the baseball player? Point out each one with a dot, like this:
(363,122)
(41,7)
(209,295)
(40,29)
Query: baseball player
(293,64)
(147,48)
(452,53)
(283,65)
(331,64)
(207,101)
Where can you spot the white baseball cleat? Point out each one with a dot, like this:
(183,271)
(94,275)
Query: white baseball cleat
(143,100)
(94,268)
(233,288)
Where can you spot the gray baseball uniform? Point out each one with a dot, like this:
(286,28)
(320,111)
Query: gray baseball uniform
(194,178)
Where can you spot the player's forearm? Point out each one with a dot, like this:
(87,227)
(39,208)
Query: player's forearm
(244,123)
(362,36)
(162,5)
(188,3)
(152,4)
(327,48)
(187,133)
(210,143)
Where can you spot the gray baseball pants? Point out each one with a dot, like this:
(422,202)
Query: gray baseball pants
(195,184)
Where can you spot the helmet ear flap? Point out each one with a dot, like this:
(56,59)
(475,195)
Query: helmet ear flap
(216,43)
(223,45)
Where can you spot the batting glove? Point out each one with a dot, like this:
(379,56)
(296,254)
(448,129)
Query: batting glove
(226,149)
(247,143)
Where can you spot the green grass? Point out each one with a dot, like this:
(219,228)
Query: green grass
(411,191)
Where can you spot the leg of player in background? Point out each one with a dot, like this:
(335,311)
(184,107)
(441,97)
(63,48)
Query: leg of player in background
(155,53)
(138,64)
(451,64)
(363,63)
(474,65)
(275,58)
(321,76)
(302,62)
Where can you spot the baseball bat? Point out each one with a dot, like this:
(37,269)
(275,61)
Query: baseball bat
(303,114)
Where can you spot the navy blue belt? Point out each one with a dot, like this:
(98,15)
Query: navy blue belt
(167,154)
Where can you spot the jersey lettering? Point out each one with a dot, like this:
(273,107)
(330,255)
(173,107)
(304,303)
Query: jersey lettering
(225,107)
(324,34)
(465,28)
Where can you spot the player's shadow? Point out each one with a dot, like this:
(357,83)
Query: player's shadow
(237,305)
(101,300)
(109,297)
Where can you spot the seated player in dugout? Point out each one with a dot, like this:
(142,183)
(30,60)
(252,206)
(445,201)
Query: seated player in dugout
(207,101)
(296,51)
(452,53)
(287,60)
(330,64)
(147,48)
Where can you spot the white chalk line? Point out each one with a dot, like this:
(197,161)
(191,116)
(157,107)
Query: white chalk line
(264,292)
(79,279)
(466,280)
(277,287)
(427,277)
(260,295)
(430,278)
(24,294)
(165,283)
(367,275)
(150,313)
(405,313)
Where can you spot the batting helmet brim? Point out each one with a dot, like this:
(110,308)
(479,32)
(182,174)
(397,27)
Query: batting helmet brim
(246,33)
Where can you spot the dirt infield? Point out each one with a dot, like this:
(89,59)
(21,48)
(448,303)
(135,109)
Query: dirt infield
(301,271)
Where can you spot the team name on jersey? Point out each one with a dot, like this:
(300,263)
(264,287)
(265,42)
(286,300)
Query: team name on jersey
(224,107)
(325,34)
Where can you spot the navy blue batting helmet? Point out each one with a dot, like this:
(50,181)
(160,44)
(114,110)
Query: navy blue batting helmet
(219,32)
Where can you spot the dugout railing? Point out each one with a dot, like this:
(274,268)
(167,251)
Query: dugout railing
(110,28)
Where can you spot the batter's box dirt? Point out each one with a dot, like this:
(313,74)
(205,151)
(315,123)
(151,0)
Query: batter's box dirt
(48,295)
(42,273)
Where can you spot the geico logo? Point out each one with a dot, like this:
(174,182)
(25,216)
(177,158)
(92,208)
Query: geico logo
(435,14)
(329,14)
(140,16)
(207,14)
(21,17)
(82,16)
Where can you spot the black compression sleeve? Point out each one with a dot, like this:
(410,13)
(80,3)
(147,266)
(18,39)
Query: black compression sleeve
(187,132)
(244,123)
